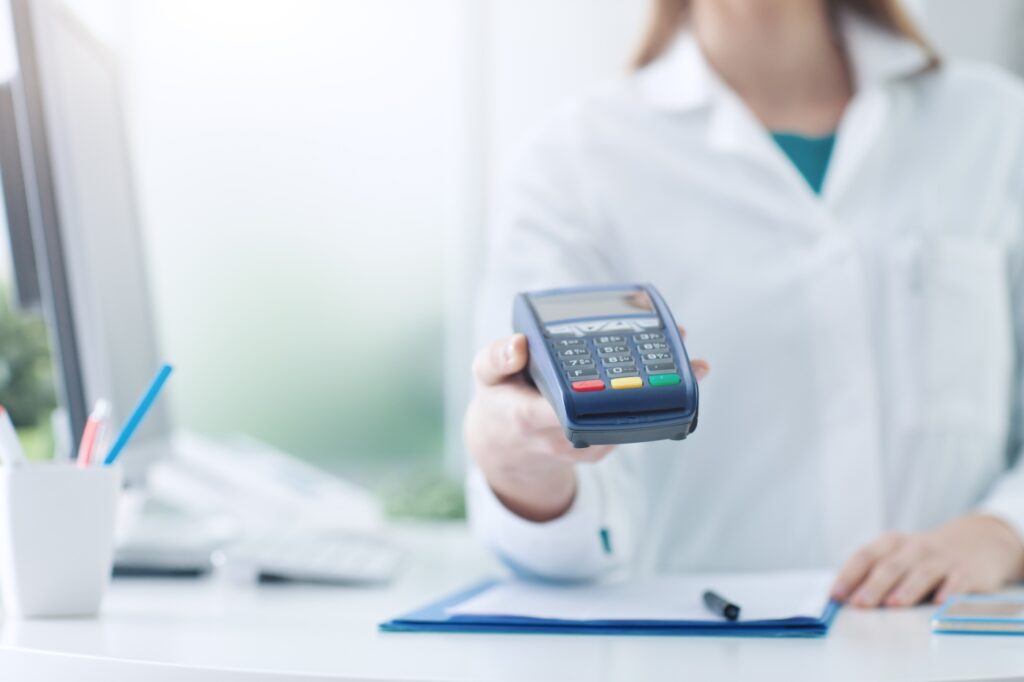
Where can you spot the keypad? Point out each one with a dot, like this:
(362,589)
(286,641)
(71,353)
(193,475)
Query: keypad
(656,356)
(660,367)
(627,382)
(594,360)
(586,386)
(625,359)
(664,380)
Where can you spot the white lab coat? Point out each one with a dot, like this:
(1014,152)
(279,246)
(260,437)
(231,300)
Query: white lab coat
(865,344)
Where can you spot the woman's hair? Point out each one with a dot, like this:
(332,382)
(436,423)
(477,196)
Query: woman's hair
(669,15)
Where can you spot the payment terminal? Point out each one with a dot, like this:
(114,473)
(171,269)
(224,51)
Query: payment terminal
(611,362)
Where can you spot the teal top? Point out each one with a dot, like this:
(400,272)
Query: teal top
(810,155)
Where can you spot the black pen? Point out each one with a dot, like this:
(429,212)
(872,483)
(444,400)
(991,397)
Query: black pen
(720,606)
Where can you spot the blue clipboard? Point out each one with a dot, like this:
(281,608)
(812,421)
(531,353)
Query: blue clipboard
(435,618)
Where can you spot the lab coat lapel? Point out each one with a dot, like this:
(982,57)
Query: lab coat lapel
(734,129)
(878,57)
(858,131)
(682,80)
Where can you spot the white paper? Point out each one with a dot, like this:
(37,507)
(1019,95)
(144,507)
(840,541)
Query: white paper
(761,596)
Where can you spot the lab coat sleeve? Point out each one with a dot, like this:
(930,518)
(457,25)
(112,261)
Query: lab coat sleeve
(1006,500)
(546,231)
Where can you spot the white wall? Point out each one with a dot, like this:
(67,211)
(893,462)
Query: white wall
(298,166)
(990,30)
(542,52)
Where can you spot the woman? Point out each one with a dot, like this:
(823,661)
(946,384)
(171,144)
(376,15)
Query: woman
(837,218)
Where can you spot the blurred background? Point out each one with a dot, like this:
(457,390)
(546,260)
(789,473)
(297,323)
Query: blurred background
(311,181)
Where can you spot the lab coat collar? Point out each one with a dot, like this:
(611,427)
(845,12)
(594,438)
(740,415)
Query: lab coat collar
(682,79)
(877,54)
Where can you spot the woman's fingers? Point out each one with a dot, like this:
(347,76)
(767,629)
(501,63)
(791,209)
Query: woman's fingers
(968,554)
(920,581)
(853,573)
(520,405)
(532,410)
(501,359)
(953,583)
(881,579)
(893,566)
(859,566)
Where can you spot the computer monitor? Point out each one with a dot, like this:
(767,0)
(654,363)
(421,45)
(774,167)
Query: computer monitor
(78,232)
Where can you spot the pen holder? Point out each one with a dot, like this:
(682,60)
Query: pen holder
(56,538)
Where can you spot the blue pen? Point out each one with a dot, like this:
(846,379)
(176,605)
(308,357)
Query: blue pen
(138,414)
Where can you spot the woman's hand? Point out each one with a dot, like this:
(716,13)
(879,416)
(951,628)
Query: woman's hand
(976,553)
(516,439)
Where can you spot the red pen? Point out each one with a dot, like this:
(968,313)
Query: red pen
(91,431)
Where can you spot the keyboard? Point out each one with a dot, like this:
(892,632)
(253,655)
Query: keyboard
(348,560)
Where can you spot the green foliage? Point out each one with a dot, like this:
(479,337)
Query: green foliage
(423,494)
(26,370)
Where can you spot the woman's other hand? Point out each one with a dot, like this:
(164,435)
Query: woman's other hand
(515,437)
(976,553)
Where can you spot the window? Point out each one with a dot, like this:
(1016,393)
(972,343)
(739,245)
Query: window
(295,166)
(27,389)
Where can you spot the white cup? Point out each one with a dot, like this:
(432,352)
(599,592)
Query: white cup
(56,538)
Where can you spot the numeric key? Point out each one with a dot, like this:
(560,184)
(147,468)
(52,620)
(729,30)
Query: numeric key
(656,356)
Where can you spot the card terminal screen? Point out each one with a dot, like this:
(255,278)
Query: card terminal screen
(592,304)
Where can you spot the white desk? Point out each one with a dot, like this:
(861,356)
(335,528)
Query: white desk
(209,631)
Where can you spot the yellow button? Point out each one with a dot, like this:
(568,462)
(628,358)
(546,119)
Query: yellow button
(628,382)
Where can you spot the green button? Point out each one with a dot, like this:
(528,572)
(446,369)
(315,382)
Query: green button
(664,379)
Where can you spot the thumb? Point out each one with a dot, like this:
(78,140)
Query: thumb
(501,359)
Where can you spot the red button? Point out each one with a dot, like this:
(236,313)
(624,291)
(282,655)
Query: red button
(591,385)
